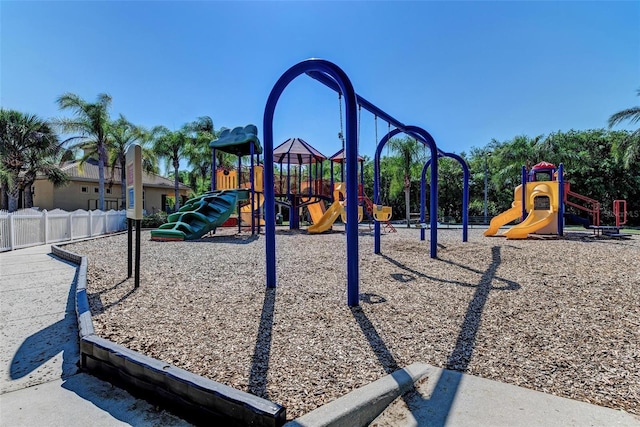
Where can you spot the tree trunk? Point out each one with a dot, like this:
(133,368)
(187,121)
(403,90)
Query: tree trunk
(176,166)
(407,200)
(101,156)
(4,203)
(407,207)
(28,195)
(27,182)
(13,194)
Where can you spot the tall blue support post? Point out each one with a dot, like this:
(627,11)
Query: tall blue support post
(253,192)
(561,200)
(213,169)
(376,185)
(524,193)
(347,90)
(376,201)
(465,194)
(428,140)
(239,184)
(423,196)
(418,133)
(424,137)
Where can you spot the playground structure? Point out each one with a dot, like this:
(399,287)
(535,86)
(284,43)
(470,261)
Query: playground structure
(335,78)
(205,213)
(241,191)
(465,194)
(350,207)
(301,183)
(540,205)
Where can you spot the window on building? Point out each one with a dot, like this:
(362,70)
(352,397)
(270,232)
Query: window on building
(96,190)
(84,189)
(108,190)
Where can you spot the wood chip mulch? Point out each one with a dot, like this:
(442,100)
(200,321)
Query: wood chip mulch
(560,316)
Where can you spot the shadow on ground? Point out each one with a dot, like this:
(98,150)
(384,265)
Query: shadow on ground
(435,409)
(42,346)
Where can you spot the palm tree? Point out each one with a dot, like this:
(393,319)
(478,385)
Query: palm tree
(629,149)
(28,145)
(123,133)
(410,153)
(92,122)
(44,161)
(198,152)
(510,156)
(172,145)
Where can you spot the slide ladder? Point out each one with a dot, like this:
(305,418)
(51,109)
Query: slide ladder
(592,209)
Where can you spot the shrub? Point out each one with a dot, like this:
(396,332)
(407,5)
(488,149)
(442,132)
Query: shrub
(154,221)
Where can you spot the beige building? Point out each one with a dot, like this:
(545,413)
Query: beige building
(82,190)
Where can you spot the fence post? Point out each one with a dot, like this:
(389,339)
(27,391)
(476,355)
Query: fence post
(11,231)
(90,223)
(46,226)
(70,225)
(104,223)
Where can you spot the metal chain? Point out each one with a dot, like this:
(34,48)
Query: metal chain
(375,119)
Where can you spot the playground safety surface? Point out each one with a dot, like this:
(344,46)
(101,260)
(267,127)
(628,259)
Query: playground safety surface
(549,318)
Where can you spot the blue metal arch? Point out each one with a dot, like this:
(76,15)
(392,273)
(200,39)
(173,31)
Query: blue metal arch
(424,137)
(465,193)
(351,152)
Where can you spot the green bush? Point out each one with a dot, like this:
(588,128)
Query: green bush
(154,221)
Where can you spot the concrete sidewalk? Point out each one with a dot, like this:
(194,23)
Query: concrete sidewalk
(40,384)
(450,398)
(424,395)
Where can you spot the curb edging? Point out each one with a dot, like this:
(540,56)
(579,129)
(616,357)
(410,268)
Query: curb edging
(361,406)
(195,398)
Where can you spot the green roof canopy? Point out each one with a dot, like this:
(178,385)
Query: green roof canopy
(238,141)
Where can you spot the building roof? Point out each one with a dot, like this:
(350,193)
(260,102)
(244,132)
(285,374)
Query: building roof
(88,171)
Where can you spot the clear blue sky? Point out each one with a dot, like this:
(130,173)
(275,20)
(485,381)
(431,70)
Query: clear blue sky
(465,71)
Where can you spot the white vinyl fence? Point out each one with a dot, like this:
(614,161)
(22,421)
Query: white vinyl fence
(30,227)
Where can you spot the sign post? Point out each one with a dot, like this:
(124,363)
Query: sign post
(134,203)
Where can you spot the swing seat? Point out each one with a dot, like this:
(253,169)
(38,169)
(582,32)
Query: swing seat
(343,215)
(382,213)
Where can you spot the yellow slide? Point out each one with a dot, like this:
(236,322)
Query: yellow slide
(536,220)
(504,218)
(316,211)
(327,219)
(246,210)
(507,216)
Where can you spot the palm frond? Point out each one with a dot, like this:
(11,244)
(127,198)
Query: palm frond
(631,114)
